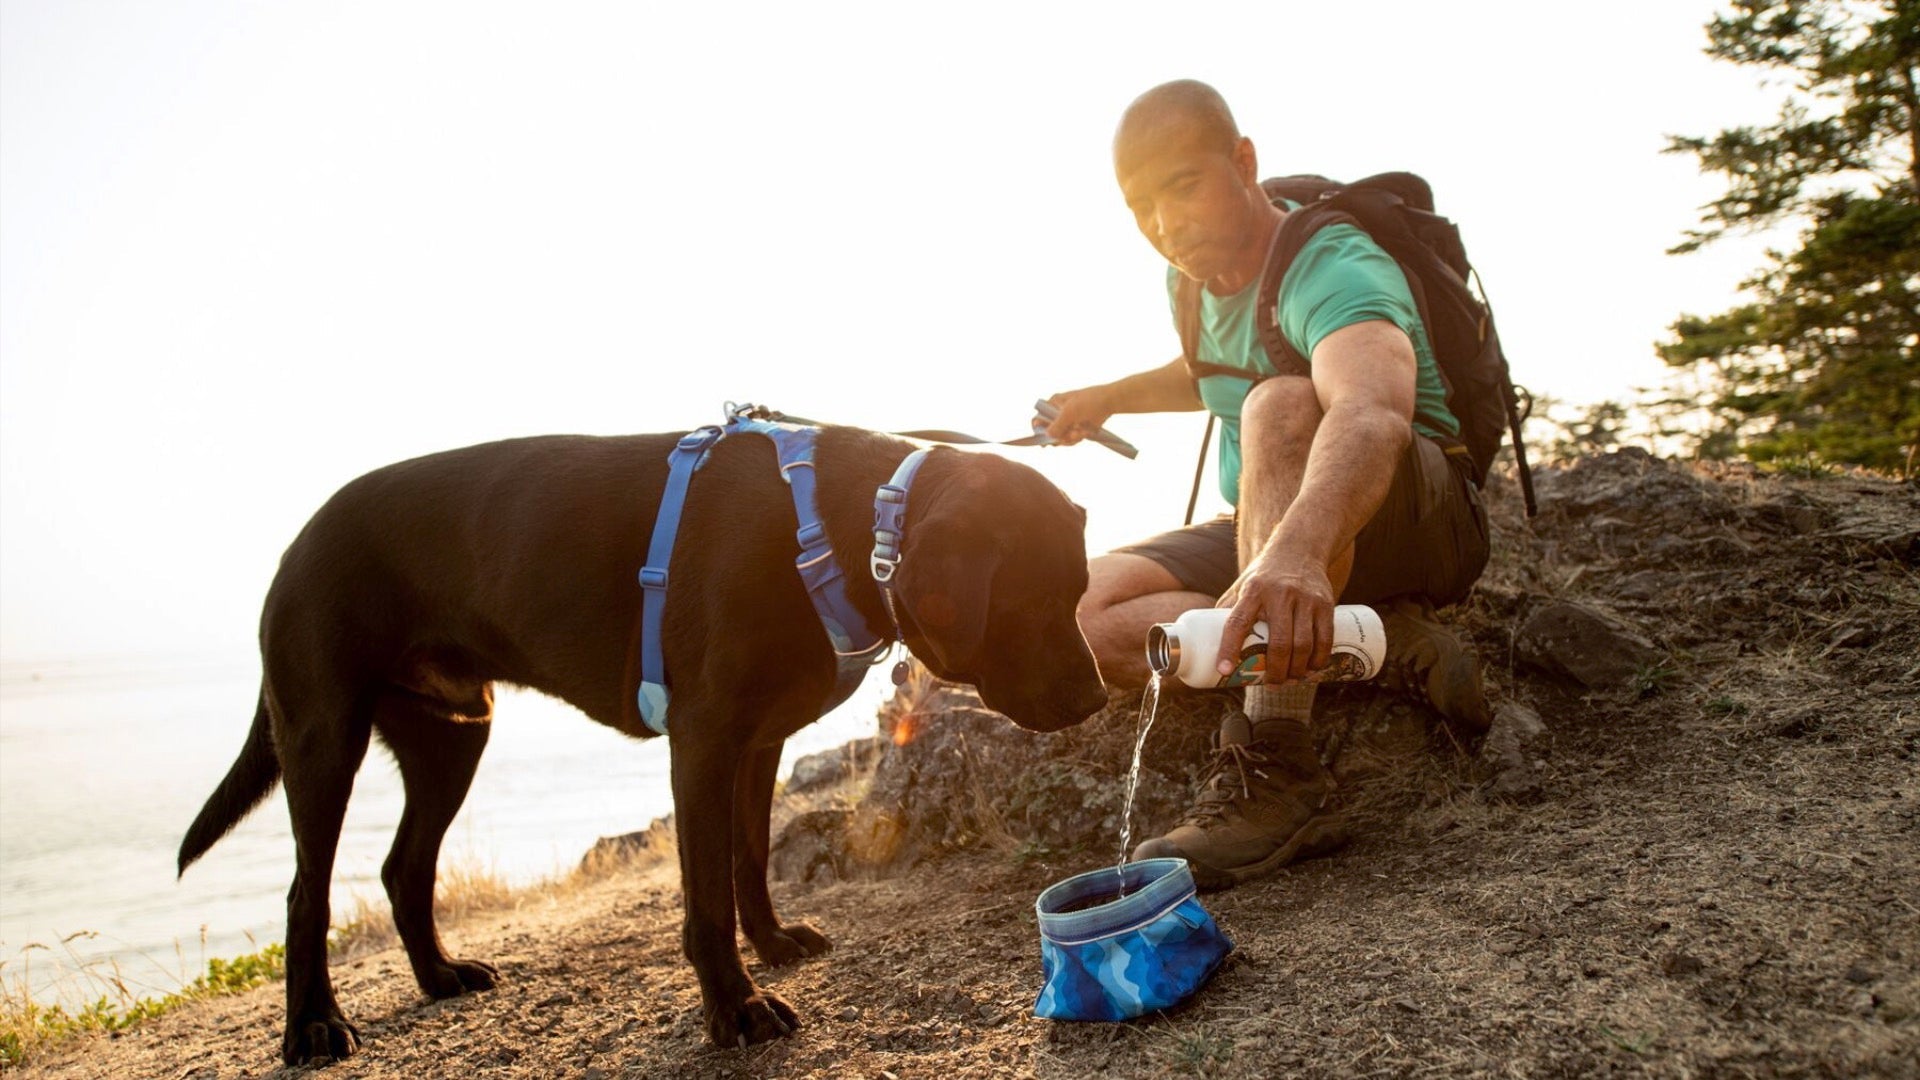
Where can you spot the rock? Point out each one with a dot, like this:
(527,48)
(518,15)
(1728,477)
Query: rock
(812,849)
(1581,643)
(1790,513)
(952,773)
(1679,964)
(1629,485)
(829,767)
(1509,751)
(656,839)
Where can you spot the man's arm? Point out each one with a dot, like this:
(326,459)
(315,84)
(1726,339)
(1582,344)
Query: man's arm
(1166,388)
(1363,377)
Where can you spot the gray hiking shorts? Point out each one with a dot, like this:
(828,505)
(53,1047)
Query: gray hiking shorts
(1428,538)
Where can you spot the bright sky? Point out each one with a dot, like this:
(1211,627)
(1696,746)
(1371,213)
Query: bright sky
(249,251)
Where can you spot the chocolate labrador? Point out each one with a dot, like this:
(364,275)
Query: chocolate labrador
(420,585)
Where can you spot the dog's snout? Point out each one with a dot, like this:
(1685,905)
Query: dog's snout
(1091,699)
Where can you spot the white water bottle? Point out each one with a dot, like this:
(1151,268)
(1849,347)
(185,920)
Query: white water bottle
(1188,648)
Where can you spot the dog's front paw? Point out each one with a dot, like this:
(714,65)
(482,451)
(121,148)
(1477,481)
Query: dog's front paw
(760,1017)
(319,1039)
(789,943)
(456,977)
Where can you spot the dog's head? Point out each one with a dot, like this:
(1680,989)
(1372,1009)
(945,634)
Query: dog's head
(995,561)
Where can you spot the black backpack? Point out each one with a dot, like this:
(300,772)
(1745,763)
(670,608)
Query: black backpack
(1396,210)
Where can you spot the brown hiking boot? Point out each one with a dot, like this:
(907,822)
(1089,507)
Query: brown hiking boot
(1427,662)
(1265,803)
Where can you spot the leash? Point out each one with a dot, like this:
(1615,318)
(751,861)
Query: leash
(1045,413)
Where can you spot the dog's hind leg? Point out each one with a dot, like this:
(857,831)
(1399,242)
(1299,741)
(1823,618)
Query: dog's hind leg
(753,799)
(320,749)
(437,759)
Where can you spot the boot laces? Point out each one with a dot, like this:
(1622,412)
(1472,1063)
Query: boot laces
(1413,680)
(1235,760)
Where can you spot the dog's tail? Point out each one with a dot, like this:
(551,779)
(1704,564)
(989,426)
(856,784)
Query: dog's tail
(246,786)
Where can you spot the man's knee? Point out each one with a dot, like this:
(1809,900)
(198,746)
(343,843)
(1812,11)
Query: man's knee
(1115,578)
(1279,418)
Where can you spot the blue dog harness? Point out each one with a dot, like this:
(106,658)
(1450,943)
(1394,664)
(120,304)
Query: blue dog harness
(856,646)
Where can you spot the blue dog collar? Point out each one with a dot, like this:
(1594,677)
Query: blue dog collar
(890,539)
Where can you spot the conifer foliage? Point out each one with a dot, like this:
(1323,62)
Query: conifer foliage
(1822,366)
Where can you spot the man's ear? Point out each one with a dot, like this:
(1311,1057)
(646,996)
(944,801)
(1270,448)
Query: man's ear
(945,586)
(1246,162)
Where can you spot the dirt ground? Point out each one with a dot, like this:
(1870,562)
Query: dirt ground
(1712,871)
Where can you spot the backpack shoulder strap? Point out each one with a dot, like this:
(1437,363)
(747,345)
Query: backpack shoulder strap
(1186,319)
(1299,226)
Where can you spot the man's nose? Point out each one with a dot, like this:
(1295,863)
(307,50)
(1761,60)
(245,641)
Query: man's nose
(1164,223)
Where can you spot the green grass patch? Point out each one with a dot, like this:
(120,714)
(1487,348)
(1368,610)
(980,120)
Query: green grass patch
(29,1028)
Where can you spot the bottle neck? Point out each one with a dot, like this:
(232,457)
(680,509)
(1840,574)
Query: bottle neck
(1163,649)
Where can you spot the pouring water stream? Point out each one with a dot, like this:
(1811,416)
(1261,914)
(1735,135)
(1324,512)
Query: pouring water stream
(1149,705)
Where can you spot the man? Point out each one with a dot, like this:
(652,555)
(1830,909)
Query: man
(1342,492)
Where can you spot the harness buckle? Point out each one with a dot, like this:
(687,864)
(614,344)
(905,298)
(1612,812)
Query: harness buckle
(653,577)
(886,555)
(751,412)
(697,439)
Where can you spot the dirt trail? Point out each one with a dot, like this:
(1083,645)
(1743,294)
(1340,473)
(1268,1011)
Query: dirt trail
(1709,869)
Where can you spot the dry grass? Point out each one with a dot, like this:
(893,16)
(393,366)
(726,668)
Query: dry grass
(33,1023)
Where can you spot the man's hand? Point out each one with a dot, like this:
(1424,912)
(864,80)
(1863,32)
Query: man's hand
(1082,412)
(1296,599)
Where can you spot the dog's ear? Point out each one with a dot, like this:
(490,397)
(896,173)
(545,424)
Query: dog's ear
(946,579)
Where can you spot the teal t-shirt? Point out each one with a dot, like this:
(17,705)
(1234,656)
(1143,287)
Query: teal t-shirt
(1340,277)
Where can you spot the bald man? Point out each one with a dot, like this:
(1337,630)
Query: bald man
(1341,491)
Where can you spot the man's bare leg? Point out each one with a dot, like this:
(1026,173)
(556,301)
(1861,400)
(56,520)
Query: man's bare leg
(1125,595)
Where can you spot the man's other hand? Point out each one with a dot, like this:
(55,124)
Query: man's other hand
(1082,412)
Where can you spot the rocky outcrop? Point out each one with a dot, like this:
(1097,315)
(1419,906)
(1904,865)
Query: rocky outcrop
(1636,573)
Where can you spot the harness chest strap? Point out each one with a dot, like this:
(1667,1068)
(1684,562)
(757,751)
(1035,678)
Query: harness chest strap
(687,455)
(822,575)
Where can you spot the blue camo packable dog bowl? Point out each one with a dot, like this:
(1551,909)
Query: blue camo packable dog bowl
(1149,949)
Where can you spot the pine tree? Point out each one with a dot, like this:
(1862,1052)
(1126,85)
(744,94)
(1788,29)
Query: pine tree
(1822,367)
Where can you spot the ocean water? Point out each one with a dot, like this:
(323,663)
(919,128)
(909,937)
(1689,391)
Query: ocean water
(103,764)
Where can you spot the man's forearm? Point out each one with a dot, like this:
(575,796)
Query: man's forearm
(1167,388)
(1349,470)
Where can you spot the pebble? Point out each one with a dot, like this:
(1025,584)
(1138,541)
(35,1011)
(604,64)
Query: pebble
(849,1014)
(1681,964)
